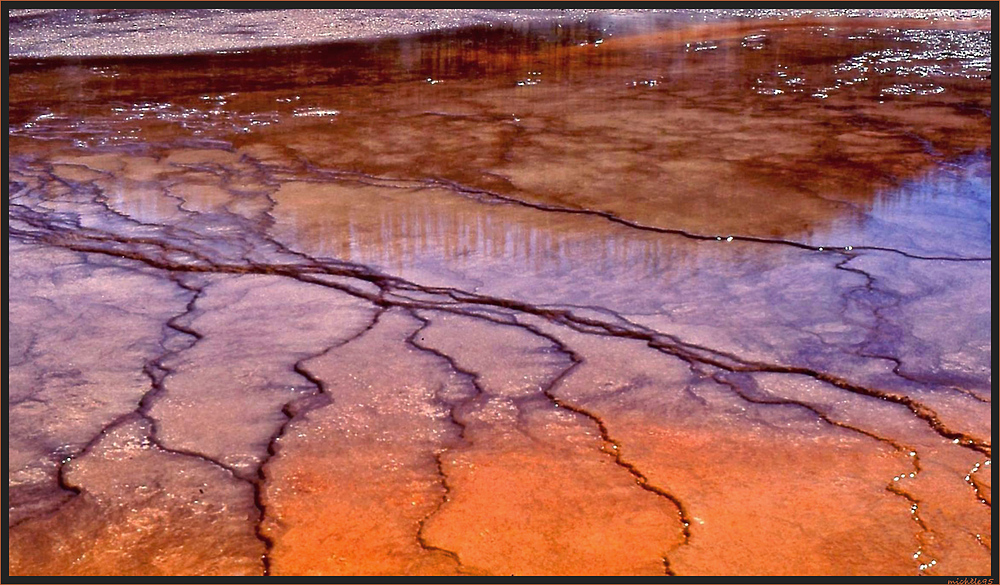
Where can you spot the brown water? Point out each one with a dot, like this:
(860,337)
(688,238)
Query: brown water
(616,296)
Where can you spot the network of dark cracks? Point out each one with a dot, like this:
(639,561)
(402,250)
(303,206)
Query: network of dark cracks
(413,340)
(888,301)
(175,250)
(382,182)
(744,386)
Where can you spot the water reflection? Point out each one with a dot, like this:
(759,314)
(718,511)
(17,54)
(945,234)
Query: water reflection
(944,212)
(420,230)
(764,128)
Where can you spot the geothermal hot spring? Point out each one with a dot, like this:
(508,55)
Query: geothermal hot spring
(625,293)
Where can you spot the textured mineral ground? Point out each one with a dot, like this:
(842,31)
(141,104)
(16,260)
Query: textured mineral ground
(610,294)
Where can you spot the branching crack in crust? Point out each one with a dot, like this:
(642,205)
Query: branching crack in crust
(156,372)
(609,445)
(733,383)
(179,256)
(150,252)
(473,378)
(291,410)
(877,312)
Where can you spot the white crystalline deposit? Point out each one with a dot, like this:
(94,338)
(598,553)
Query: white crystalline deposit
(80,33)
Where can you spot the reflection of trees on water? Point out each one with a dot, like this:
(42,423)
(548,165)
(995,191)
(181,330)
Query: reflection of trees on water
(404,236)
(649,94)
(399,230)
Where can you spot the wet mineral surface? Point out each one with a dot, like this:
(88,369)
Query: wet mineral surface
(608,295)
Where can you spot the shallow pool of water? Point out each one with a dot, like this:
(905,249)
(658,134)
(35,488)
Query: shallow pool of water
(607,295)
